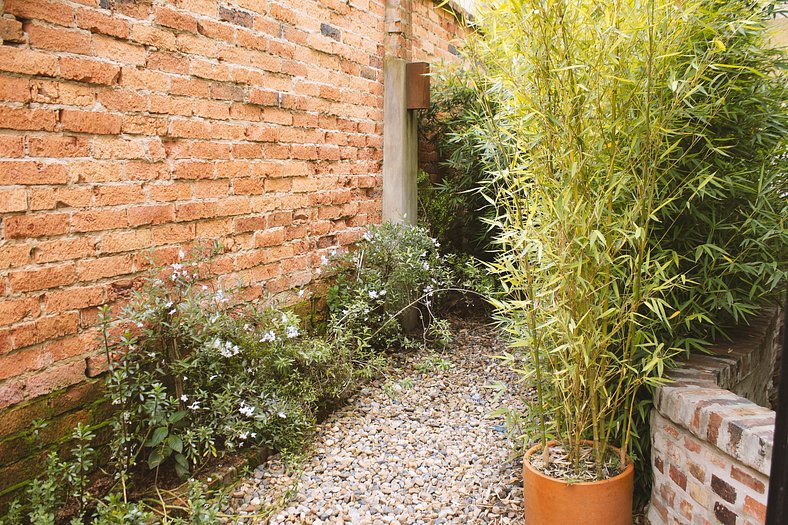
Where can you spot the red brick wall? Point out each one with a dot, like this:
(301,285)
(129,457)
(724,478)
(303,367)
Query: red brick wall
(130,126)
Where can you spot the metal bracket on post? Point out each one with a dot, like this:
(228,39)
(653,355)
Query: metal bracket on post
(417,80)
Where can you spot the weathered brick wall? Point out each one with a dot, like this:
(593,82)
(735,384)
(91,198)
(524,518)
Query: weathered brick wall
(135,127)
(712,448)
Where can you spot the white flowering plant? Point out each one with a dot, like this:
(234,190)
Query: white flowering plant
(199,371)
(394,276)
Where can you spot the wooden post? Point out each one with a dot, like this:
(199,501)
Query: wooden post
(400,145)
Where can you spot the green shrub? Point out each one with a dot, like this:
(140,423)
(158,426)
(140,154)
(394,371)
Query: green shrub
(451,206)
(396,271)
(203,372)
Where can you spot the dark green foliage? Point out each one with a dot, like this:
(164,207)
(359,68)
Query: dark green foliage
(450,204)
(394,272)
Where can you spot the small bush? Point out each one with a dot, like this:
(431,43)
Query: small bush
(395,272)
(203,371)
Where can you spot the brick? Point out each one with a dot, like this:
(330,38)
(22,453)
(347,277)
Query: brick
(127,241)
(45,328)
(169,62)
(28,119)
(123,100)
(236,17)
(14,255)
(153,36)
(26,172)
(170,105)
(190,129)
(13,200)
(212,109)
(37,225)
(14,89)
(99,220)
(117,148)
(95,171)
(190,87)
(73,299)
(14,310)
(12,146)
(269,237)
(116,195)
(151,214)
(58,39)
(64,249)
(170,192)
(144,125)
(211,189)
(41,278)
(755,509)
(191,211)
(104,267)
(28,62)
(90,122)
(55,378)
(747,480)
(174,233)
(175,19)
(723,514)
(58,146)
(90,71)
(97,22)
(723,489)
(193,170)
(55,12)
(147,171)
(68,197)
(11,30)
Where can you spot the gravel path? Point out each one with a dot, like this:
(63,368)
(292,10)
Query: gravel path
(417,448)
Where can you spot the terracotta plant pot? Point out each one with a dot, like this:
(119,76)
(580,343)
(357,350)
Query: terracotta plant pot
(550,501)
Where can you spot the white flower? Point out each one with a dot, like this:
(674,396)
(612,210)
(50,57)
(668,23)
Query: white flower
(373,294)
(246,410)
(268,337)
(194,406)
(204,287)
(177,266)
(368,236)
(242,436)
(382,292)
(284,318)
(282,415)
(181,254)
(301,292)
(291,332)
(323,260)
(169,303)
(184,398)
(253,434)
(426,265)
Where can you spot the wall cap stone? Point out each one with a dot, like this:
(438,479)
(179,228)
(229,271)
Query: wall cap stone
(699,400)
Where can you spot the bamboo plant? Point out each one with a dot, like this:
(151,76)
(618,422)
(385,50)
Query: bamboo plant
(601,123)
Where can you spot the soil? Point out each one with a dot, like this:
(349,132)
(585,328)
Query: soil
(560,467)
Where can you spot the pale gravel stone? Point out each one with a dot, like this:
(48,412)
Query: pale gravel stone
(430,455)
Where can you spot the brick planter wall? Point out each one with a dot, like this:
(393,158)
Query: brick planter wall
(135,127)
(711,447)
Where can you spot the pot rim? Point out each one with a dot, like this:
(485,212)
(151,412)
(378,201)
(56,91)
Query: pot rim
(527,464)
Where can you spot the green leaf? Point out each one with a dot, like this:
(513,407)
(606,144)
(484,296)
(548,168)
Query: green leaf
(175,443)
(177,416)
(155,459)
(158,436)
